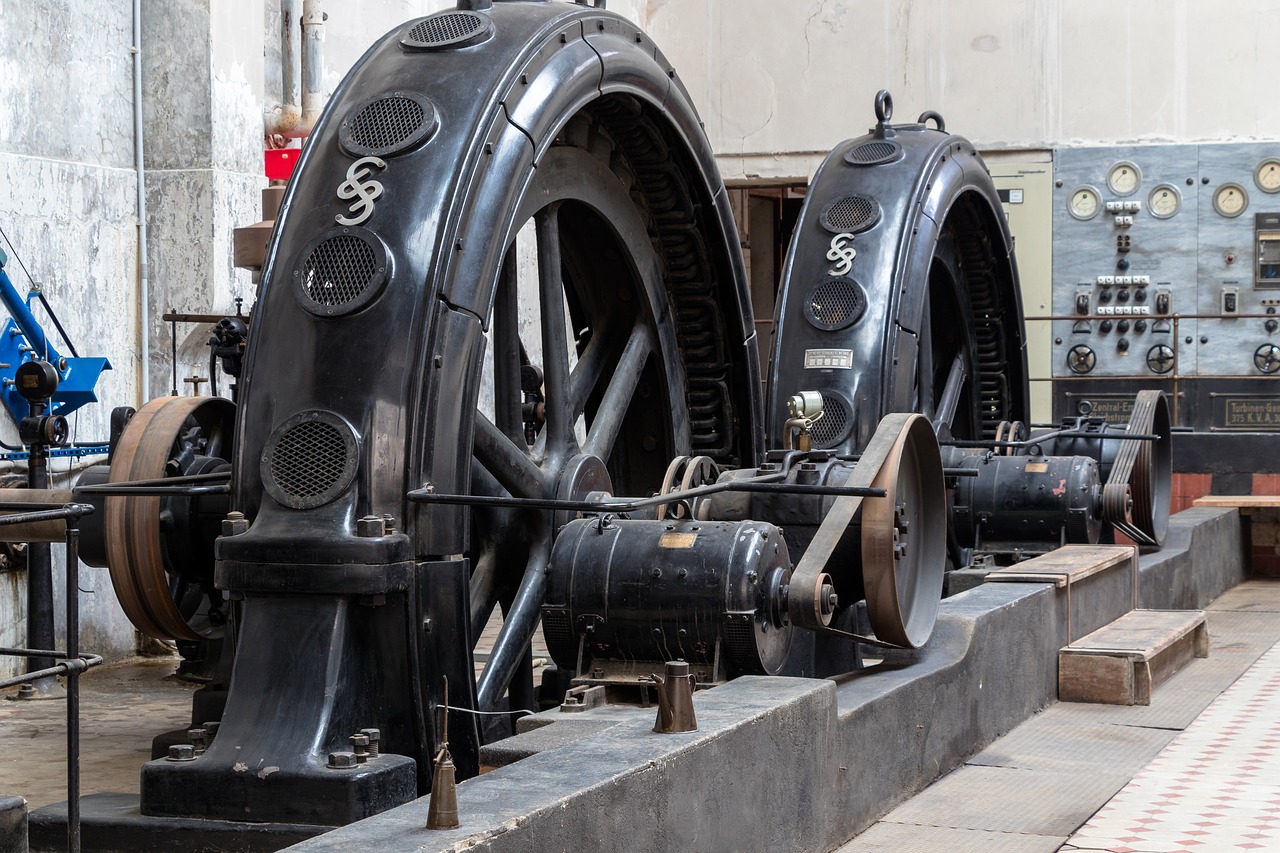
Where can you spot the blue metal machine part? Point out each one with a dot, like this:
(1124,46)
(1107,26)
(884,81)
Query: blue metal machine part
(23,339)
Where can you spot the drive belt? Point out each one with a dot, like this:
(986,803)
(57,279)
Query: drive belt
(809,601)
(1128,498)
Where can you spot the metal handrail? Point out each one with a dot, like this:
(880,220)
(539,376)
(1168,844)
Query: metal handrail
(73,661)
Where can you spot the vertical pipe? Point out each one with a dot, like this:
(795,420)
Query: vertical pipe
(144,285)
(73,688)
(313,18)
(290,52)
(39,575)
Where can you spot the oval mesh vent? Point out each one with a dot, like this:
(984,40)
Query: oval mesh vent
(447,29)
(558,632)
(309,460)
(834,425)
(835,303)
(850,214)
(873,152)
(340,271)
(388,124)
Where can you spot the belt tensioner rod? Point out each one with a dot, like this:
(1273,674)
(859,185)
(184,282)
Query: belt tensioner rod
(636,504)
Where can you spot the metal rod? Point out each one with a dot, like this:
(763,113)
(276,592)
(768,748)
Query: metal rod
(80,663)
(45,653)
(1174,317)
(636,504)
(1118,436)
(139,165)
(42,515)
(73,690)
(130,490)
(39,559)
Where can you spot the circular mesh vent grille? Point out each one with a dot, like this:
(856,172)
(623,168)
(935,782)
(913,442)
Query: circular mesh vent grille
(835,303)
(833,427)
(850,214)
(387,122)
(447,29)
(309,460)
(341,270)
(873,152)
(387,125)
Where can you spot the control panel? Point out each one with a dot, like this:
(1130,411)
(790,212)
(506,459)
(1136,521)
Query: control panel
(1166,273)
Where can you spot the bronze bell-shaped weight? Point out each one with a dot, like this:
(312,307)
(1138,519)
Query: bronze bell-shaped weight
(442,813)
(675,700)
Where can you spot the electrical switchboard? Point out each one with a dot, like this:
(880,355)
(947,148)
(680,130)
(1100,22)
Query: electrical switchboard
(1166,274)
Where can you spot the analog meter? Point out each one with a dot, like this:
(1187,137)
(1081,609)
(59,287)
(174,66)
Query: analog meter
(1164,201)
(1230,200)
(1084,203)
(1124,178)
(1267,175)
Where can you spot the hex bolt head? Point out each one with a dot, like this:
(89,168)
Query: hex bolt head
(342,760)
(360,746)
(234,524)
(182,752)
(375,737)
(371,526)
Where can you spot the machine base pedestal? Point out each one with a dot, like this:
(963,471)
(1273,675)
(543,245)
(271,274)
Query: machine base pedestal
(112,823)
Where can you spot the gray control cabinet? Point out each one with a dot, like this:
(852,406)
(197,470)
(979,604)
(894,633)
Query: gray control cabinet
(1166,274)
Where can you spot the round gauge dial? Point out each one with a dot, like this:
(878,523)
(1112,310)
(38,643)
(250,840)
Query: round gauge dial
(1124,178)
(1230,200)
(1084,203)
(1164,201)
(1267,175)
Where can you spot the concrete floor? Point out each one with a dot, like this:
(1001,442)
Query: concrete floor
(122,706)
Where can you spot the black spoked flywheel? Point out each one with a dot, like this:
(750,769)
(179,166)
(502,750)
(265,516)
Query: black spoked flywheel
(517,274)
(906,222)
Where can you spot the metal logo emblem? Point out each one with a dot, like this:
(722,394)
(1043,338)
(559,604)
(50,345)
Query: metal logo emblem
(842,253)
(364,192)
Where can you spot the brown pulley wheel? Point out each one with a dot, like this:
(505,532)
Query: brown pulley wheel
(135,550)
(904,538)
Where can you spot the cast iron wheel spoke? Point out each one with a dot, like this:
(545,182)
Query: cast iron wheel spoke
(517,629)
(555,340)
(617,396)
(508,463)
(591,365)
(950,396)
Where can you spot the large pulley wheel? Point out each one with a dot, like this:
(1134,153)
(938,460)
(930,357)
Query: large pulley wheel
(1136,496)
(154,596)
(904,539)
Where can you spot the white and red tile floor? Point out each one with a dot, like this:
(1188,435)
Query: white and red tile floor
(1214,788)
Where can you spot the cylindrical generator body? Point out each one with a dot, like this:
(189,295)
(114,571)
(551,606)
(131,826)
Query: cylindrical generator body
(1099,444)
(632,592)
(1027,499)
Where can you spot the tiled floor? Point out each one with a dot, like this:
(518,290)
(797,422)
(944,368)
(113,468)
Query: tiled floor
(1216,787)
(1196,770)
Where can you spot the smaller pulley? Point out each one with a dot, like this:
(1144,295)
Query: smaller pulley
(160,549)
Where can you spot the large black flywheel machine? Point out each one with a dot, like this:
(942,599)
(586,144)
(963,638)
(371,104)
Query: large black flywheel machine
(900,294)
(502,377)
